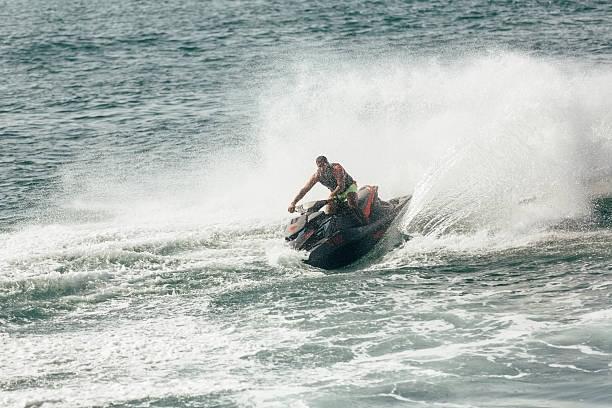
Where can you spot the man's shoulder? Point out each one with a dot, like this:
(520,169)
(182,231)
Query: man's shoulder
(337,167)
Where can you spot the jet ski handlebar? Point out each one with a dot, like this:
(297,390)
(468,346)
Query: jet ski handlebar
(311,206)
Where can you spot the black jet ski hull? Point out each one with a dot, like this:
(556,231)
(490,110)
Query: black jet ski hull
(347,246)
(335,241)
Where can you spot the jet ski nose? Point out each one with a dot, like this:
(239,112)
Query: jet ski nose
(295,226)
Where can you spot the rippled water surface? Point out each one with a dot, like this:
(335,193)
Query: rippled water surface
(148,152)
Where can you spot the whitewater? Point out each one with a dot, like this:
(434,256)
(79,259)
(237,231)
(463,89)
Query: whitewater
(142,259)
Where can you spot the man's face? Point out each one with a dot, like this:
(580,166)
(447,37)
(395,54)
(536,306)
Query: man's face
(322,165)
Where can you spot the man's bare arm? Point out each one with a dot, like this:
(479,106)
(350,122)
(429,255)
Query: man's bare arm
(311,182)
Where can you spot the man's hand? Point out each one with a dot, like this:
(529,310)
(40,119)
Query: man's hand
(291,208)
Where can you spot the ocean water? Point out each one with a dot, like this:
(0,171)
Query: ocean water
(149,150)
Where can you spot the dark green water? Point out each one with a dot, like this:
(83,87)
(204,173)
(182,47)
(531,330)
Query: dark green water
(148,152)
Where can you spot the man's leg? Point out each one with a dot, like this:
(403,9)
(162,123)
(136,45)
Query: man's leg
(331,207)
(351,198)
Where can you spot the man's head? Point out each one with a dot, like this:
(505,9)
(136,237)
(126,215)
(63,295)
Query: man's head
(322,162)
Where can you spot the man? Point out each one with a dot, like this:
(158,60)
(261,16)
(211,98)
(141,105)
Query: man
(339,182)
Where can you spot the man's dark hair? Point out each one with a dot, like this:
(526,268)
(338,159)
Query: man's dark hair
(321,159)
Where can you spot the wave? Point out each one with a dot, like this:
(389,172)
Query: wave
(497,144)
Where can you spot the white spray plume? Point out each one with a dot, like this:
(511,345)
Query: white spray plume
(488,142)
(493,142)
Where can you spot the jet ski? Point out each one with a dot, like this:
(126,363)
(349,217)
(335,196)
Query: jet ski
(336,240)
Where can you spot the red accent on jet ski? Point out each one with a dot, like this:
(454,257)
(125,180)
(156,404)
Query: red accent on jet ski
(367,210)
(308,234)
